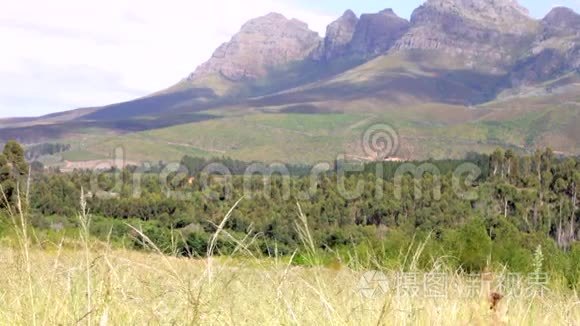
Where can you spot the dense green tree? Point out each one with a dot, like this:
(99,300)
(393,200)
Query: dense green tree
(14,154)
(13,169)
(471,245)
(497,162)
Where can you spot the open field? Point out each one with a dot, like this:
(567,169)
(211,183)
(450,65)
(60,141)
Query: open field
(80,280)
(116,287)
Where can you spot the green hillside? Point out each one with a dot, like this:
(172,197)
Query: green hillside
(268,133)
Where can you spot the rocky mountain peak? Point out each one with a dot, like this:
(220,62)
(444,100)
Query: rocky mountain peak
(506,16)
(349,15)
(273,20)
(388,11)
(556,50)
(489,8)
(376,33)
(492,31)
(264,42)
(483,35)
(562,18)
(339,34)
(561,13)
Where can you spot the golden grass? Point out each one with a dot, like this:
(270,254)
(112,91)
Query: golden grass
(117,287)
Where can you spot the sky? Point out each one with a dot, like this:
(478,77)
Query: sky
(60,55)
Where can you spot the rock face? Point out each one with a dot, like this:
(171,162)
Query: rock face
(367,37)
(377,33)
(339,34)
(486,36)
(262,43)
(505,14)
(479,30)
(560,22)
(555,52)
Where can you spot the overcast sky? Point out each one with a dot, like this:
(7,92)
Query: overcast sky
(63,54)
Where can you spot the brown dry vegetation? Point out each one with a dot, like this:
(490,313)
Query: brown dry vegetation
(116,287)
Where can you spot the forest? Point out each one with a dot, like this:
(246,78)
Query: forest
(516,205)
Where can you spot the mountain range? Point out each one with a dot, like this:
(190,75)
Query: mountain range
(459,76)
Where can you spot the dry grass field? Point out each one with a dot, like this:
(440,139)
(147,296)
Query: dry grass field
(109,287)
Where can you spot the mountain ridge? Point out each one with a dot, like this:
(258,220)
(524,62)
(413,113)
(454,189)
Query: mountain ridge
(452,53)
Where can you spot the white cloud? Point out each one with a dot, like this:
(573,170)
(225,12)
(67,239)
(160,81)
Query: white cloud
(63,54)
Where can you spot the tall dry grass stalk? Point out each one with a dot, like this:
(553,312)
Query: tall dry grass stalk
(17,214)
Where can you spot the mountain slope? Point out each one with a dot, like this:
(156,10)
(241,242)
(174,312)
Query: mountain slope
(555,52)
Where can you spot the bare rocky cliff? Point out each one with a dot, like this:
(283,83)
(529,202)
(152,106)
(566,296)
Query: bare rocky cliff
(377,33)
(487,36)
(484,33)
(555,52)
(339,34)
(262,43)
(365,37)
